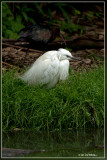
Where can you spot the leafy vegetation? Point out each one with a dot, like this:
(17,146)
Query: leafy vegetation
(10,26)
(76,103)
(16,16)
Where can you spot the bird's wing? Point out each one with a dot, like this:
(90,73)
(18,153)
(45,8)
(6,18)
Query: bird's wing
(25,32)
(36,33)
(51,71)
(42,71)
(64,69)
(42,35)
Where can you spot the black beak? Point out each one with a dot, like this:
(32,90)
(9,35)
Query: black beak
(77,59)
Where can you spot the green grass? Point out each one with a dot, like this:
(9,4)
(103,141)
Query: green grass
(76,103)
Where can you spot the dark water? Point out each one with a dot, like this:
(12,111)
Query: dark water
(70,143)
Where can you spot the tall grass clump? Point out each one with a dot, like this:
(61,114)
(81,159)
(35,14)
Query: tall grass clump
(76,103)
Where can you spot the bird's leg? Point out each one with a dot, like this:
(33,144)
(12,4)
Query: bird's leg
(26,55)
(45,47)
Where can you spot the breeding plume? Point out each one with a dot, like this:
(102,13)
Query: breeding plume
(51,67)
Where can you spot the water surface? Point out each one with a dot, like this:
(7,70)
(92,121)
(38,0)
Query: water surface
(69,143)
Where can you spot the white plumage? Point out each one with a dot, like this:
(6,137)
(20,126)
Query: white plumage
(49,68)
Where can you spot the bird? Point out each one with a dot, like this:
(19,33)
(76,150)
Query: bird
(49,68)
(39,35)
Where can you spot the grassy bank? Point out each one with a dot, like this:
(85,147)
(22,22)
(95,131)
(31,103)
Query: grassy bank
(77,102)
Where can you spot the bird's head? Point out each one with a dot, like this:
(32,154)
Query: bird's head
(56,32)
(66,55)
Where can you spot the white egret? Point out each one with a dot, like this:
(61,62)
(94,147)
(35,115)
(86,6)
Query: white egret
(49,68)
